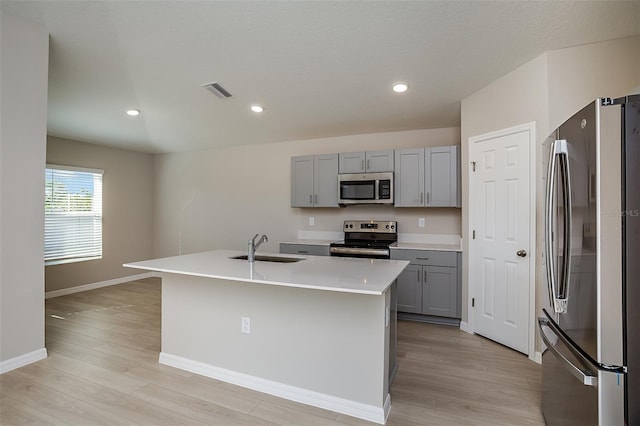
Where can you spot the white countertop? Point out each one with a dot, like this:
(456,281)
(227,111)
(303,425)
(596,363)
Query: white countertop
(341,274)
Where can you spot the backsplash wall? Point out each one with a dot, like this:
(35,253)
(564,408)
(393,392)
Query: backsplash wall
(218,198)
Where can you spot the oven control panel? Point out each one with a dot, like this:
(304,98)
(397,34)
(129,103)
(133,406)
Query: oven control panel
(390,227)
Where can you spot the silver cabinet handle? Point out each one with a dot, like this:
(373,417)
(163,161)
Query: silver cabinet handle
(521,253)
(427,198)
(558,294)
(362,165)
(424,272)
(421,198)
(303,251)
(422,258)
(310,199)
(315,200)
(368,164)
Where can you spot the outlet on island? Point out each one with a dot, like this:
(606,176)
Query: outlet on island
(246,325)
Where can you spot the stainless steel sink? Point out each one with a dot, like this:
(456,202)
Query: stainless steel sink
(276,259)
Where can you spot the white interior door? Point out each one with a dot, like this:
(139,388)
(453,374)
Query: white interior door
(501,215)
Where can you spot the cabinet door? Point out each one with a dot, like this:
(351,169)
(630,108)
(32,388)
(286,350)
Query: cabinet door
(409,177)
(352,162)
(325,180)
(379,161)
(306,249)
(440,291)
(410,289)
(441,176)
(302,181)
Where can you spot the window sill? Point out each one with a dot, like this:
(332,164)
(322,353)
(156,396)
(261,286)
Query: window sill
(65,261)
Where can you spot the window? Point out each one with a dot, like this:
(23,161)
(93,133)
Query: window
(73,214)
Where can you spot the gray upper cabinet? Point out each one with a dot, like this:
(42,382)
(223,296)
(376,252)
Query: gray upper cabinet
(409,178)
(442,177)
(314,181)
(369,161)
(427,177)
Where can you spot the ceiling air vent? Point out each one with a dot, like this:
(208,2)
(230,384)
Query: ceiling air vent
(217,89)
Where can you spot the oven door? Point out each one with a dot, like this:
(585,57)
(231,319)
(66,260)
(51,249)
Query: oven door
(363,252)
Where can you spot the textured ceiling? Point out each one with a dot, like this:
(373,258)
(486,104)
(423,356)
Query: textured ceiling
(320,68)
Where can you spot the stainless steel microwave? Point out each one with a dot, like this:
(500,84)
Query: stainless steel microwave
(365,188)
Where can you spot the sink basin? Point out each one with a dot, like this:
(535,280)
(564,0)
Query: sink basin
(276,259)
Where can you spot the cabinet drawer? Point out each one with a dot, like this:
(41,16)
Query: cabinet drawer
(309,249)
(426,257)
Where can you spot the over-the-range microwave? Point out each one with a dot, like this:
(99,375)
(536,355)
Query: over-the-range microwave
(365,188)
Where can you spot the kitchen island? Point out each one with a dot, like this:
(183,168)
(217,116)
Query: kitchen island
(319,331)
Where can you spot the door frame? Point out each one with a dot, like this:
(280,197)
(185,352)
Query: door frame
(472,281)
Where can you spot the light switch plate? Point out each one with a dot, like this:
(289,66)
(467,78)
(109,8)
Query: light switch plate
(421,222)
(312,221)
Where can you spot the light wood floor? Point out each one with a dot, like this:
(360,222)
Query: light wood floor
(103,368)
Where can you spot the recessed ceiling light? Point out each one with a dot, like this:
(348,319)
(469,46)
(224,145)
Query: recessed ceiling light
(257,108)
(133,112)
(400,87)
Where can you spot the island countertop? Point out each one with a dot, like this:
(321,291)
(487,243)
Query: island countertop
(339,274)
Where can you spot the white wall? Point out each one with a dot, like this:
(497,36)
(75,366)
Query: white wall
(517,98)
(547,90)
(218,198)
(127,211)
(23,87)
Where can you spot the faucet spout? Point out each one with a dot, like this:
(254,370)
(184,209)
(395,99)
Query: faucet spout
(253,246)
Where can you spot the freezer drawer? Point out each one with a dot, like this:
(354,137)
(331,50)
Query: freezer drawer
(575,389)
(569,384)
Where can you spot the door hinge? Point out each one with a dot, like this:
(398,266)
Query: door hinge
(474,234)
(473,166)
(473,302)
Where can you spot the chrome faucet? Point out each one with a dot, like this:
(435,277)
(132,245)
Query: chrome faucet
(253,246)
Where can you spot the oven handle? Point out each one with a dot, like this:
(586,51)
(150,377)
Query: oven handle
(360,251)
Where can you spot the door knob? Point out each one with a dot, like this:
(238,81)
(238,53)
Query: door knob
(522,253)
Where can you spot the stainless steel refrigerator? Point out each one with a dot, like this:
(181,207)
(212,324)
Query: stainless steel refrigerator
(591,325)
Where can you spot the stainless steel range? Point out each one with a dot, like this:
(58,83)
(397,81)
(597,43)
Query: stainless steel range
(366,238)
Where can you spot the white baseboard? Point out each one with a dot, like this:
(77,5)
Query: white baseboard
(22,360)
(537,357)
(465,327)
(368,412)
(93,286)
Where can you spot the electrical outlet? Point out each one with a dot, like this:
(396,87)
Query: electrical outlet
(246,325)
(421,222)
(312,221)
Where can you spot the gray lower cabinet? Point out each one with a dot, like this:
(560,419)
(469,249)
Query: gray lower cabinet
(410,290)
(431,284)
(439,291)
(307,249)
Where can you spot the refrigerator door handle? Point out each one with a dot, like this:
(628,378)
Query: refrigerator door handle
(565,174)
(585,377)
(558,293)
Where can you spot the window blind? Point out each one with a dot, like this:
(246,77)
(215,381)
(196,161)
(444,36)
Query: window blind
(73,214)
